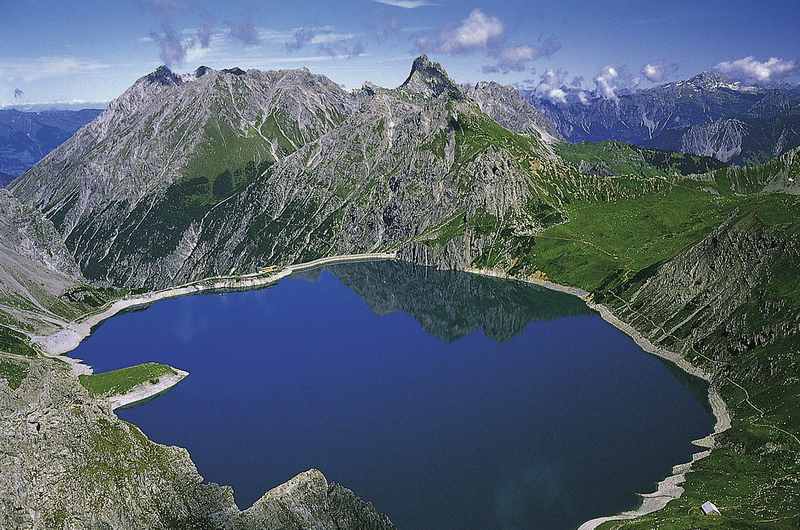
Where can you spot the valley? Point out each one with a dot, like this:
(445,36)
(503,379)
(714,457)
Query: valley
(275,169)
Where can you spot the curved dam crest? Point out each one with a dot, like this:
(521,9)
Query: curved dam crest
(449,400)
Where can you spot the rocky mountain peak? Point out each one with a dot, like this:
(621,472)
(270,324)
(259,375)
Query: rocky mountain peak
(429,79)
(163,76)
(234,71)
(202,70)
(708,80)
(483,85)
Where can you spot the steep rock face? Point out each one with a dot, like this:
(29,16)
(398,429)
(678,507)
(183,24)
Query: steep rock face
(166,128)
(781,175)
(702,291)
(705,115)
(347,180)
(506,106)
(36,269)
(27,233)
(429,80)
(395,169)
(721,139)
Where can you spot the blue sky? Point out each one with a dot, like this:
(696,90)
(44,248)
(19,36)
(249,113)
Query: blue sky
(91,50)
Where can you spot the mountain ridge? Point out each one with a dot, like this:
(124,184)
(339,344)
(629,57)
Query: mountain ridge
(108,200)
(708,114)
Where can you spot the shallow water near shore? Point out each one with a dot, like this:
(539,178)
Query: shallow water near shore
(451,401)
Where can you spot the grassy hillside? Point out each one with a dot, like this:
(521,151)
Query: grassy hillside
(117,382)
(712,276)
(617,158)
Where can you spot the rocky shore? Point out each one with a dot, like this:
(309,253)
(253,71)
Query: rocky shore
(67,339)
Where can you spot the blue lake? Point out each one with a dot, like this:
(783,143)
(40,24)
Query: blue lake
(450,401)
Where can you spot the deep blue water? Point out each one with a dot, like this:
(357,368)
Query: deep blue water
(452,402)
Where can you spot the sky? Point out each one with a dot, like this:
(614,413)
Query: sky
(92,50)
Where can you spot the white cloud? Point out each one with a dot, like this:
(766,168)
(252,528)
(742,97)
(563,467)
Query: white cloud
(477,31)
(551,84)
(557,95)
(605,83)
(751,69)
(406,4)
(658,72)
(330,38)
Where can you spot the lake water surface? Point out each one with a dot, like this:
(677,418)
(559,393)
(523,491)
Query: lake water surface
(451,401)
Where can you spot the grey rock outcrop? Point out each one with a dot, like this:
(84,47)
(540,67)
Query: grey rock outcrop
(506,106)
(36,269)
(721,139)
(429,80)
(68,462)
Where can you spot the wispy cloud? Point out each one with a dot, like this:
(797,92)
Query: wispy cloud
(245,32)
(406,4)
(204,34)
(164,8)
(520,58)
(751,69)
(172,46)
(325,40)
(39,68)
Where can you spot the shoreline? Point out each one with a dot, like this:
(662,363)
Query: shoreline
(147,390)
(58,344)
(670,487)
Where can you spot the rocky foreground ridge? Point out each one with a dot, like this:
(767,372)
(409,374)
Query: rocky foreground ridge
(66,461)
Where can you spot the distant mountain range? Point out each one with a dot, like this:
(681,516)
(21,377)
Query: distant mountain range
(26,137)
(706,115)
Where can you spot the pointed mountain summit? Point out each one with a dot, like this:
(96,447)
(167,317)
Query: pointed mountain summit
(163,76)
(429,79)
(202,70)
(234,172)
(708,80)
